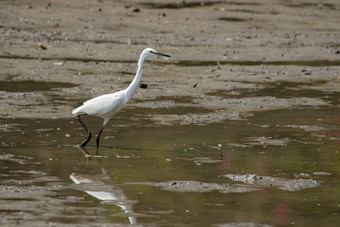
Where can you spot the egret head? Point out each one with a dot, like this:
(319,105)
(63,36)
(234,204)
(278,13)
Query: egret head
(151,52)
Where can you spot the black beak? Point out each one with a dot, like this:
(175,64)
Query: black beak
(165,55)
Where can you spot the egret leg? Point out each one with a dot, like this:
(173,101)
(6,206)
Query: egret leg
(106,120)
(98,136)
(89,134)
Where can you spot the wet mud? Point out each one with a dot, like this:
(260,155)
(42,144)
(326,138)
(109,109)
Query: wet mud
(257,182)
(196,186)
(209,54)
(280,183)
(240,127)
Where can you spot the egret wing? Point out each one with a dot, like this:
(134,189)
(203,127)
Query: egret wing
(102,105)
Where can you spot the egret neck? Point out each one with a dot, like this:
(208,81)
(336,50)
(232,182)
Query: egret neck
(134,84)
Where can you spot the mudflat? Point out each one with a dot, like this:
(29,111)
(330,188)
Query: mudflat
(68,52)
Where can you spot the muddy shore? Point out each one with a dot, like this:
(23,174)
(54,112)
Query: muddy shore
(220,49)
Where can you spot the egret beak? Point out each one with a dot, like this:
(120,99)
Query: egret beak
(165,55)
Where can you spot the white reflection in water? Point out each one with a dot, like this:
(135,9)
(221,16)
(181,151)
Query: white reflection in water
(103,188)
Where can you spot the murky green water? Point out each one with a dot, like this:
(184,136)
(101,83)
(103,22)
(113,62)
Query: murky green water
(43,171)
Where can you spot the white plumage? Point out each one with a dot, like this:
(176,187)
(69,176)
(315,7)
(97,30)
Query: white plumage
(106,106)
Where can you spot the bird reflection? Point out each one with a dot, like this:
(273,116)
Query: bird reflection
(102,187)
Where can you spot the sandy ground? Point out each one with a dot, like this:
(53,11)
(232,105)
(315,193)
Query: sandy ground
(219,49)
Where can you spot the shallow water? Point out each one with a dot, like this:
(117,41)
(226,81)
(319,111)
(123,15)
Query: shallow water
(31,86)
(282,89)
(44,176)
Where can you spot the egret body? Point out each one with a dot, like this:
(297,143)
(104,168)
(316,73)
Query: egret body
(106,106)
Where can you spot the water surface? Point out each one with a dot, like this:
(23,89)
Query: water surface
(65,185)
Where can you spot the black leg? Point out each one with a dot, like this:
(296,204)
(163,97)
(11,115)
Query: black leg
(101,130)
(89,134)
(98,136)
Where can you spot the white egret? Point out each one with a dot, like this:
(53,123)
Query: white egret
(106,106)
